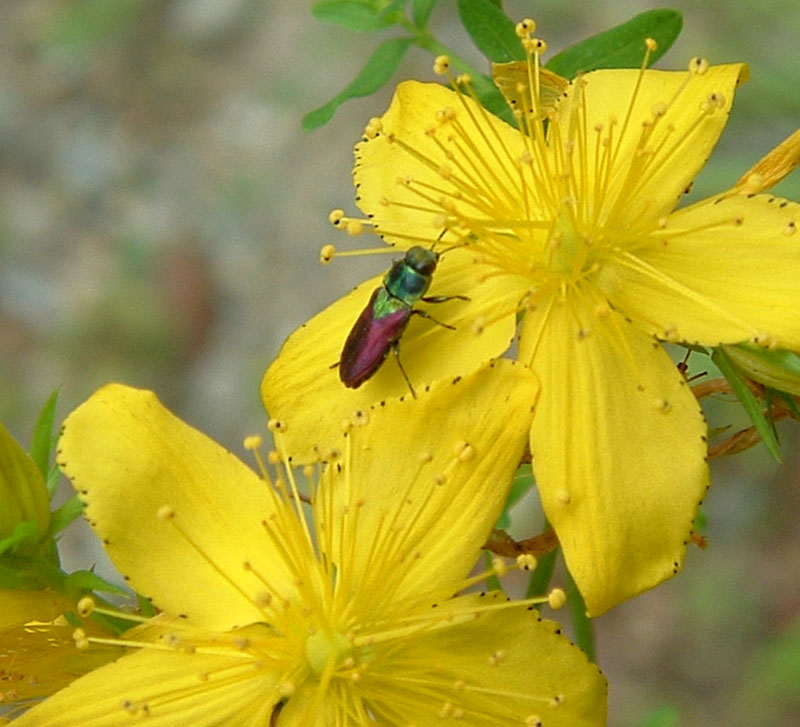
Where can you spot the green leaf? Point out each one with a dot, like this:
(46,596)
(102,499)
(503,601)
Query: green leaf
(42,441)
(491,30)
(146,608)
(378,70)
(13,578)
(581,623)
(51,483)
(421,12)
(748,400)
(778,369)
(361,16)
(64,515)
(620,47)
(24,537)
(491,99)
(84,580)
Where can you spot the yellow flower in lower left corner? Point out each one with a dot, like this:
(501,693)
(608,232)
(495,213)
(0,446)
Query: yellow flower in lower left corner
(274,613)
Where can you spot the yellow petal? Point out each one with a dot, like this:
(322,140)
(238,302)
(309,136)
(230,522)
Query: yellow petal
(721,271)
(651,166)
(302,389)
(129,458)
(618,443)
(38,653)
(19,607)
(512,79)
(422,484)
(506,666)
(774,167)
(403,174)
(308,708)
(163,689)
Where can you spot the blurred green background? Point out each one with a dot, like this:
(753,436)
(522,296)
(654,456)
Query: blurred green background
(161,214)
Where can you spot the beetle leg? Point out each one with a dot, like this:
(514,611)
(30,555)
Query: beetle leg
(443,298)
(396,349)
(422,313)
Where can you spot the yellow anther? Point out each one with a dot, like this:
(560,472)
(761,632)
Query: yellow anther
(424,457)
(563,497)
(273,457)
(526,561)
(753,184)
(556,598)
(85,606)
(538,46)
(335,217)
(373,128)
(347,426)
(659,109)
(662,405)
(467,453)
(445,114)
(253,442)
(165,512)
(276,425)
(441,65)
(698,65)
(80,640)
(478,325)
(766,340)
(533,720)
(651,44)
(790,228)
(601,310)
(355,227)
(361,417)
(497,657)
(464,79)
(326,253)
(525,27)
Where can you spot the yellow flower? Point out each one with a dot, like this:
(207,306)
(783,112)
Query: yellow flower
(572,226)
(271,616)
(37,653)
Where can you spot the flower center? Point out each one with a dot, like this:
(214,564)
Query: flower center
(325,650)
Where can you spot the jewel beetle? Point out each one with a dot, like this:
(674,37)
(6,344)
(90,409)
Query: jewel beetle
(382,322)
